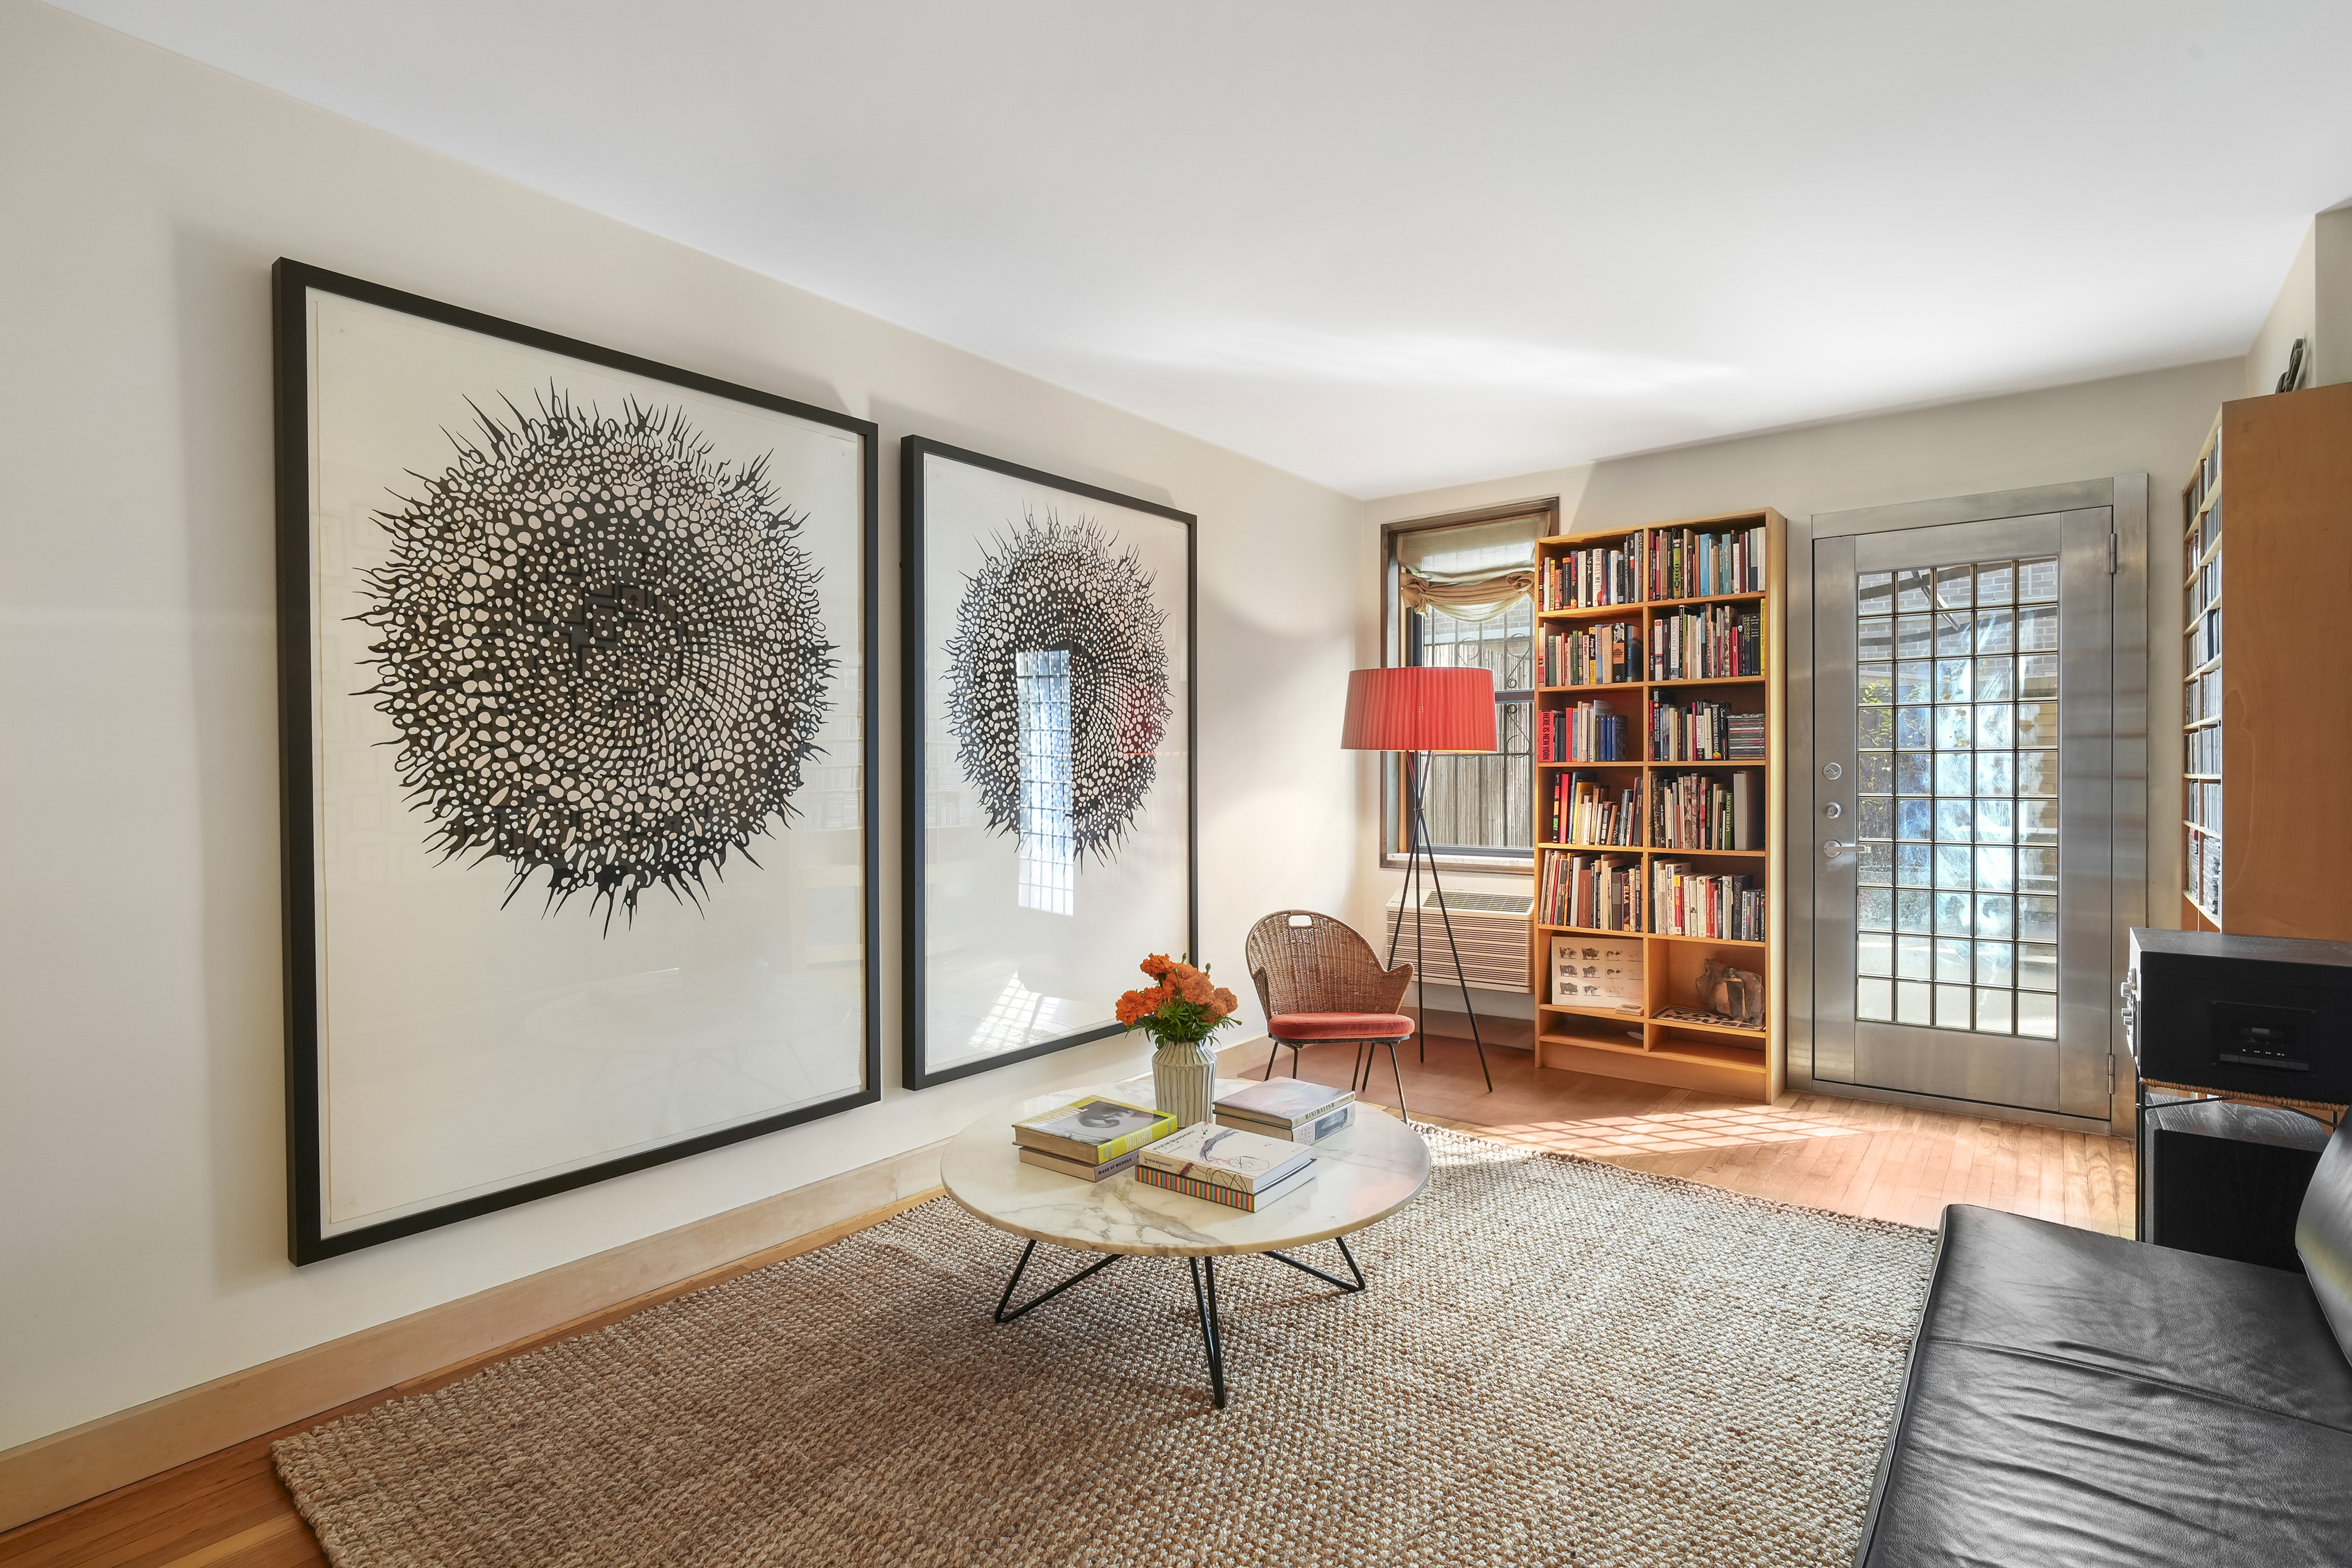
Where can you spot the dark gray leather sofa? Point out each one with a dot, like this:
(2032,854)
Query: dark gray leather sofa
(2078,1399)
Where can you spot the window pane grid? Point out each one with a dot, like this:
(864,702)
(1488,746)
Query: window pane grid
(1956,903)
(1485,801)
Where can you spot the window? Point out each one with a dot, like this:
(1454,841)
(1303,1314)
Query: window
(1459,595)
(1048,855)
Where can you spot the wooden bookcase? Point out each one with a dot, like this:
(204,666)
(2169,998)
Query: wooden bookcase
(1643,1046)
(2271,827)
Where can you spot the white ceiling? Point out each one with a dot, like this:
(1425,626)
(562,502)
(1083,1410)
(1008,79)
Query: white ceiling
(1392,246)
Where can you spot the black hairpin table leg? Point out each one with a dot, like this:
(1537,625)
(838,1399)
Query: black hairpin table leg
(1354,1266)
(1211,1336)
(1006,1300)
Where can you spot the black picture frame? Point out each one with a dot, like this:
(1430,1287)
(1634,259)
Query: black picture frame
(913,452)
(293,283)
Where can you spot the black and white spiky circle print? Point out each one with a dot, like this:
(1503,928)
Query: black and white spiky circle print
(601,650)
(1062,587)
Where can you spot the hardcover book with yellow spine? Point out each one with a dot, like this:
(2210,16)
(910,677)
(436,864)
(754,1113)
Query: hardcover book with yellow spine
(1096,1129)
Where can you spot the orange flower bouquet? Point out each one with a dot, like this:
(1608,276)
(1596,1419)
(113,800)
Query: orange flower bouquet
(1183,1007)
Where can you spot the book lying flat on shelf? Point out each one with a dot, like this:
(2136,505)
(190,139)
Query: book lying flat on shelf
(1227,1157)
(1085,1170)
(1288,1108)
(1590,973)
(1230,1197)
(1095,1129)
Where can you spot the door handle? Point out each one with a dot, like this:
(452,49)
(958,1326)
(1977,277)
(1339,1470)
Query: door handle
(1831,849)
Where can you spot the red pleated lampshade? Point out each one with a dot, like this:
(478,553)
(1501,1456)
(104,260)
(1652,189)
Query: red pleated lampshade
(1418,710)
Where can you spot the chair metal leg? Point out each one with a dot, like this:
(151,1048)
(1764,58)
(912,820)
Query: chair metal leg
(1402,1110)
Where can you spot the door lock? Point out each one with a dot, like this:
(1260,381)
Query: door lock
(1832,770)
(1833,809)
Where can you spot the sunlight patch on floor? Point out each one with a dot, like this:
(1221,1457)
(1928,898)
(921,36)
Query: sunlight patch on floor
(1679,1132)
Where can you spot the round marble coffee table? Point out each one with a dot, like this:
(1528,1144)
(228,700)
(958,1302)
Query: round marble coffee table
(1363,1174)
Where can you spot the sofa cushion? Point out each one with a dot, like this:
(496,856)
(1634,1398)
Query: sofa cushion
(2078,1398)
(2323,1234)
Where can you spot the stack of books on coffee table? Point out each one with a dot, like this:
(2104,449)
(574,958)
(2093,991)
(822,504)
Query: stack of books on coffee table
(1091,1139)
(1288,1108)
(1224,1164)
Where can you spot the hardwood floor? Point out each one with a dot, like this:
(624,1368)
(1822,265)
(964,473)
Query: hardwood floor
(228,1511)
(1851,1156)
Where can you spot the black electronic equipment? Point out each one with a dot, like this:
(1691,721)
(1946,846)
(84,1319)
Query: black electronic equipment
(2267,1016)
(2245,1015)
(2225,1179)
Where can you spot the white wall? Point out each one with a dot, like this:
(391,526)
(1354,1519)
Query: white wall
(142,198)
(2292,317)
(2153,422)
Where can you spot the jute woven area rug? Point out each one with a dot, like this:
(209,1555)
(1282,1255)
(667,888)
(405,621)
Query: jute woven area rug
(1559,1362)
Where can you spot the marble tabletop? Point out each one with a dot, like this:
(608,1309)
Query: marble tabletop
(1362,1174)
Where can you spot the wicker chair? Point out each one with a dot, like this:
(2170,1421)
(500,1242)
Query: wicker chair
(1318,980)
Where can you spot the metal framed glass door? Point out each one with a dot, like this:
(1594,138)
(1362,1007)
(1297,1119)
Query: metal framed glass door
(1963,810)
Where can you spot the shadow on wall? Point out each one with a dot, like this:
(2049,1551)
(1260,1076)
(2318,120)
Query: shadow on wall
(221,300)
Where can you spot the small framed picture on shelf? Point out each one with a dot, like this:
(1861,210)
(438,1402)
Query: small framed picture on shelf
(1597,972)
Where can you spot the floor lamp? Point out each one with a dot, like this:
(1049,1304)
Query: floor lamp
(1418,710)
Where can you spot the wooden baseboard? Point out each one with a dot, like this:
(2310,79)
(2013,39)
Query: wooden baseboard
(440,1345)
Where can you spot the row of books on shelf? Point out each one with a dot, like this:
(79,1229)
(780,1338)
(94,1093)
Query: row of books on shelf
(1686,812)
(2204,882)
(1593,578)
(1589,732)
(1704,732)
(1597,893)
(1584,811)
(1685,563)
(2202,482)
(2202,749)
(1605,893)
(2207,531)
(1721,640)
(1689,903)
(2203,803)
(2203,591)
(1590,655)
(1256,1151)
(1708,811)
(1654,563)
(2204,699)
(2205,638)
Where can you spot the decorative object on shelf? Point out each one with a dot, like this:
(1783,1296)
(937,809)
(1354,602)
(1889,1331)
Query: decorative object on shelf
(1048,714)
(1179,1013)
(1418,710)
(1597,972)
(1736,995)
(559,628)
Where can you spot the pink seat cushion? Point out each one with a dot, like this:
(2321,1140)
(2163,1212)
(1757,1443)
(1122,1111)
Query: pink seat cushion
(1339,1026)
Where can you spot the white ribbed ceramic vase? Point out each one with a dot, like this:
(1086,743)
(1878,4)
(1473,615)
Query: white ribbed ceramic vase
(1184,1080)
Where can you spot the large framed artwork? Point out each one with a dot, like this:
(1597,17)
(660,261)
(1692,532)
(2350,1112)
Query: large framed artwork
(1049,818)
(579,749)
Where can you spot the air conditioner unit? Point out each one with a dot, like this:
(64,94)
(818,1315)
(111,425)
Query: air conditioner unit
(1490,929)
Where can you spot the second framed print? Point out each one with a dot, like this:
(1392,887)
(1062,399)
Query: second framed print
(1049,818)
